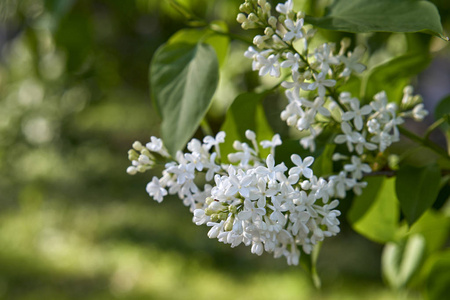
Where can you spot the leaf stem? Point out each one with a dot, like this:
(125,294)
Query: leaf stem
(424,142)
(433,127)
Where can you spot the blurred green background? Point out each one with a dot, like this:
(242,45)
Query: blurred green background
(73,225)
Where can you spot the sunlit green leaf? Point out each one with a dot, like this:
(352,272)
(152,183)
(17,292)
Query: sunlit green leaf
(183,79)
(437,283)
(375,212)
(417,189)
(381,15)
(434,227)
(246,112)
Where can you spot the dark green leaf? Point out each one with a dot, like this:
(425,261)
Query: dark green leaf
(442,110)
(375,212)
(381,16)
(417,189)
(246,112)
(183,79)
(394,75)
(323,165)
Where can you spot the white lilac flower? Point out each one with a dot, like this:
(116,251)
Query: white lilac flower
(351,62)
(321,83)
(276,141)
(156,145)
(268,65)
(361,143)
(292,61)
(294,30)
(341,184)
(350,137)
(239,183)
(245,155)
(271,170)
(316,106)
(373,126)
(325,57)
(301,166)
(298,82)
(262,192)
(419,112)
(308,142)
(285,8)
(210,141)
(383,139)
(155,190)
(293,111)
(251,212)
(356,114)
(357,168)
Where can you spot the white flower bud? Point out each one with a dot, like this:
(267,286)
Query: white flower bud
(307,75)
(141,168)
(209,200)
(131,170)
(247,25)
(245,8)
(250,135)
(408,90)
(137,146)
(215,217)
(241,18)
(269,31)
(306,185)
(253,18)
(272,21)
(229,225)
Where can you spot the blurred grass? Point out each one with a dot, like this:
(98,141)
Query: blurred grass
(73,224)
(63,249)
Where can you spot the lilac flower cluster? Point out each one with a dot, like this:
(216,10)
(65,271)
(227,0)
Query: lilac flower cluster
(253,202)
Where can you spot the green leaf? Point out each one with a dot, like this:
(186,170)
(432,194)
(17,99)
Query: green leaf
(437,283)
(309,264)
(362,203)
(381,16)
(246,112)
(323,165)
(220,43)
(400,261)
(417,189)
(434,227)
(58,8)
(375,212)
(183,79)
(393,75)
(442,110)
